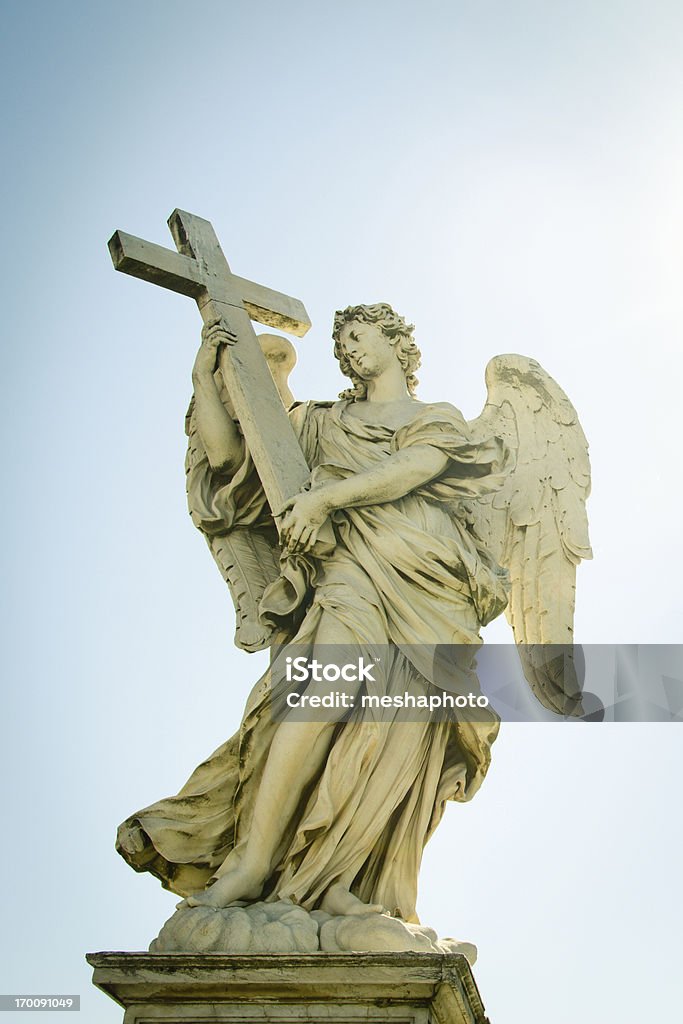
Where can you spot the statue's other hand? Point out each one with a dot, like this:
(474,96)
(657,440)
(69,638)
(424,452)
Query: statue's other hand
(303,515)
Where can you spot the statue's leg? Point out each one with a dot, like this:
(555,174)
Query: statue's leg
(296,757)
(340,901)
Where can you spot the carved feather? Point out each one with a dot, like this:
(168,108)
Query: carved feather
(248,561)
(536,526)
(247,557)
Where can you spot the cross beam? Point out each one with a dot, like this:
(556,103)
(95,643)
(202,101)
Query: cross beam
(199,269)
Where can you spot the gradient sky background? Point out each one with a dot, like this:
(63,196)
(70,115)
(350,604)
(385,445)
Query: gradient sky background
(508,176)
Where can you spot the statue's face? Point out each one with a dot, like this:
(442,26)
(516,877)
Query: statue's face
(367,348)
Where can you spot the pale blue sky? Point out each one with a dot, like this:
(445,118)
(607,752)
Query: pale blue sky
(508,176)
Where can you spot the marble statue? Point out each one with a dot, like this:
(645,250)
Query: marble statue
(413,529)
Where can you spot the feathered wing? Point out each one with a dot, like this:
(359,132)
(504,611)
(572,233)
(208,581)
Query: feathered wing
(243,542)
(536,526)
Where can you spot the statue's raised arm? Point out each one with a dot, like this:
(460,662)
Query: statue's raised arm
(225,497)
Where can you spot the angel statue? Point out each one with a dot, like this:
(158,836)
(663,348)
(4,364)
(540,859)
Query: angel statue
(416,529)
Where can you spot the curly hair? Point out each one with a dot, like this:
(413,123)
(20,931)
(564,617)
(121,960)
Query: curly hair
(394,327)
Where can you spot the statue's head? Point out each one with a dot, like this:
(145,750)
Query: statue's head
(397,332)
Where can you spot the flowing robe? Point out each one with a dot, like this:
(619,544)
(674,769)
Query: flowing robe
(409,573)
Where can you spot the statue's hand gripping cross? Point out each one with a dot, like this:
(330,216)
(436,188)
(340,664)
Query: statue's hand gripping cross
(200,269)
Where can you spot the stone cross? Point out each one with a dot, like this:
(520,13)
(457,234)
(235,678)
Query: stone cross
(199,269)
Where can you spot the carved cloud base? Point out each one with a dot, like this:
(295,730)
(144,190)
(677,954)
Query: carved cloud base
(284,927)
(359,988)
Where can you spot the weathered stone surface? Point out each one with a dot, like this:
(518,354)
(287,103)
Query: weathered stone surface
(379,933)
(258,928)
(387,988)
(199,269)
(283,927)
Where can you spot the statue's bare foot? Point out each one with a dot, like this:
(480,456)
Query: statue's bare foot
(238,884)
(339,902)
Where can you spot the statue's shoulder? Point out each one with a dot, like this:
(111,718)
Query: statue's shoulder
(434,423)
(312,404)
(303,413)
(300,410)
(438,411)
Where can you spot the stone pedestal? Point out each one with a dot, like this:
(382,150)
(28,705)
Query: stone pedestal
(349,988)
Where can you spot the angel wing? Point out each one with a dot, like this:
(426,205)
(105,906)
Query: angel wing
(536,526)
(247,553)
